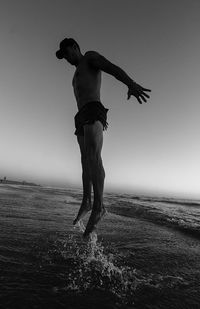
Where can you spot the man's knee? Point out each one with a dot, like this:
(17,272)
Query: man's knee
(83,160)
(90,159)
(85,165)
(93,150)
(94,161)
(93,156)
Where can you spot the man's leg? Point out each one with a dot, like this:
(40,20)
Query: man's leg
(86,204)
(93,142)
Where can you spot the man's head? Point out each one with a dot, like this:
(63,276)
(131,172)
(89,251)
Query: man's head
(69,50)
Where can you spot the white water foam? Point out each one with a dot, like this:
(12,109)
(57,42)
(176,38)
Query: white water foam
(88,267)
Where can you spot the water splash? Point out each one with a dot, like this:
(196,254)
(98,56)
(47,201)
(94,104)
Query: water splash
(88,265)
(80,225)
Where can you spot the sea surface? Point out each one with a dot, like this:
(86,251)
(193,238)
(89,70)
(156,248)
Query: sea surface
(180,214)
(144,254)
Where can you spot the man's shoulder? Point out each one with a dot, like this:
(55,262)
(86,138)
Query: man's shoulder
(91,54)
(98,62)
(91,57)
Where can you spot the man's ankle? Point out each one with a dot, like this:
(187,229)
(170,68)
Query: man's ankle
(98,208)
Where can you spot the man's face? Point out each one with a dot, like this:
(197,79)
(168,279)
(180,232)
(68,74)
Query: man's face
(70,54)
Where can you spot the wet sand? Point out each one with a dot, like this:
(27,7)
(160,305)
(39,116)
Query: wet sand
(45,263)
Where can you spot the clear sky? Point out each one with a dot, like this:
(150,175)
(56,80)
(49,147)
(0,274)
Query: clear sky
(152,147)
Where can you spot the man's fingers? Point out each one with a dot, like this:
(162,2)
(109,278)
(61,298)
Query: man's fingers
(143,98)
(140,95)
(128,94)
(145,89)
(139,100)
(146,95)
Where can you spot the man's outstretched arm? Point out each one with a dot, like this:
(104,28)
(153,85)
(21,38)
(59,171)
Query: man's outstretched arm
(101,63)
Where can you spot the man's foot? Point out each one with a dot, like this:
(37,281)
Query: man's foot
(84,209)
(94,219)
(80,225)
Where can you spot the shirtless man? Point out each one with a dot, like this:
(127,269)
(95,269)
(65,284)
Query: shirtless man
(90,121)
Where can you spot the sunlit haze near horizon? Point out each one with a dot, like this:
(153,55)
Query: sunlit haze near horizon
(148,148)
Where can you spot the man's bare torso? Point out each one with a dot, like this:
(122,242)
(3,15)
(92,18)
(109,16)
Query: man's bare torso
(86,82)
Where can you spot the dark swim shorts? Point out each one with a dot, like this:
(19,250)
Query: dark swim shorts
(90,113)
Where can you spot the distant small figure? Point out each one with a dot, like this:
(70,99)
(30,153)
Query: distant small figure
(4,178)
(91,120)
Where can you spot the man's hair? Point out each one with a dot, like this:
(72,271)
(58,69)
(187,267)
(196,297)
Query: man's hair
(63,44)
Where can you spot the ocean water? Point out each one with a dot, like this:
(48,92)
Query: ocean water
(180,214)
(146,253)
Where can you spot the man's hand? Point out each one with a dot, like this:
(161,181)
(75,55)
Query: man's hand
(139,92)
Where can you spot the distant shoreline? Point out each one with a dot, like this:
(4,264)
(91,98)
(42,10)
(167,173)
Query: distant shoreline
(15,182)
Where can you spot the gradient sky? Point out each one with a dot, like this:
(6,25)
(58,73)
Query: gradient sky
(152,147)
